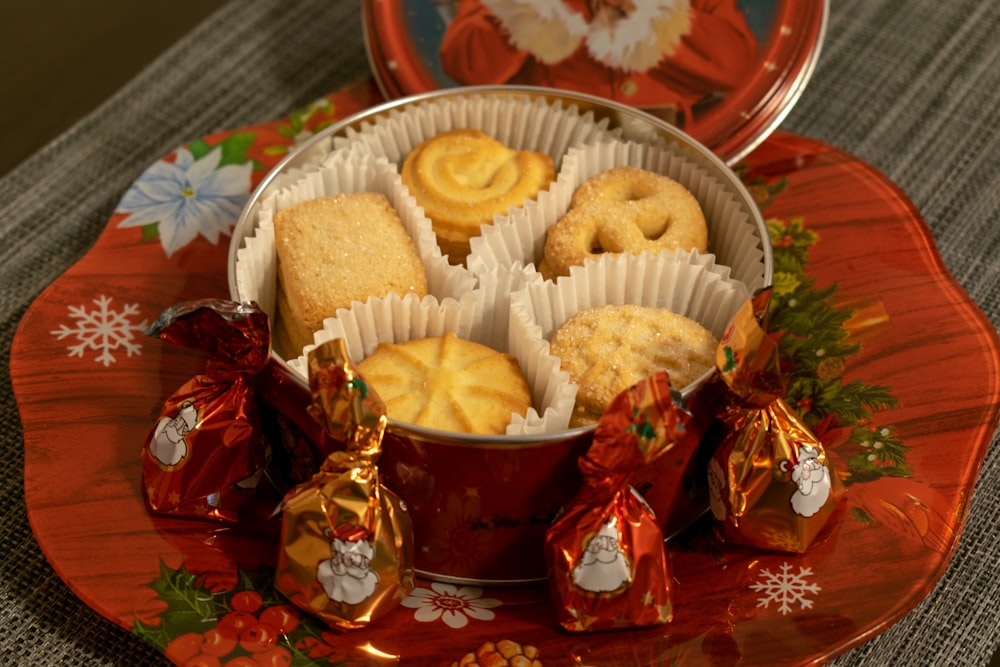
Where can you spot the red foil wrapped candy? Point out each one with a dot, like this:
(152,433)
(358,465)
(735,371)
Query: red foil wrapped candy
(771,485)
(608,565)
(205,455)
(346,552)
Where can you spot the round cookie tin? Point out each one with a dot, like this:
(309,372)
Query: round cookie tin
(517,482)
(726,72)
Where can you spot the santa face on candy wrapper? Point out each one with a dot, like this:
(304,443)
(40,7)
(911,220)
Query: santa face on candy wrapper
(348,577)
(603,568)
(813,480)
(169,445)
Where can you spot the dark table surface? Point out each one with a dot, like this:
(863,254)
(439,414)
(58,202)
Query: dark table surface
(912,88)
(71,62)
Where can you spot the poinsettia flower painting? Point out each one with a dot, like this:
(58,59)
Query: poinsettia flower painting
(187,198)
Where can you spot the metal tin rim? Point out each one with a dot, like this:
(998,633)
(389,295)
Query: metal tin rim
(796,86)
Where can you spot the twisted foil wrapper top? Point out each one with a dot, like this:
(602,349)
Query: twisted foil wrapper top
(346,552)
(607,561)
(771,485)
(205,456)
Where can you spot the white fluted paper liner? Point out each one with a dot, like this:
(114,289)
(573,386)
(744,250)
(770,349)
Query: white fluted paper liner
(552,394)
(392,319)
(519,121)
(308,160)
(520,236)
(256,262)
(685,282)
(493,297)
(481,315)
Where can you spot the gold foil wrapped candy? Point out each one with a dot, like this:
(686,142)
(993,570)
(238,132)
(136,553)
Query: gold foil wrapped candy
(346,552)
(608,565)
(771,485)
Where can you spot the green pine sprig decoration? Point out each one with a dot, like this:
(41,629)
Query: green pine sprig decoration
(816,348)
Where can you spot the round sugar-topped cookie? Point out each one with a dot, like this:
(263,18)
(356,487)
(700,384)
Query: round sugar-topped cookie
(607,349)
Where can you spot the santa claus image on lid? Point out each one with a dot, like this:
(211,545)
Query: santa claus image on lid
(725,71)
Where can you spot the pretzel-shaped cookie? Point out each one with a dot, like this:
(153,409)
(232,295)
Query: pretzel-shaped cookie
(624,210)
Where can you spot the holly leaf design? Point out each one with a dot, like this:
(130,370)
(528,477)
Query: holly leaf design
(762,191)
(189,606)
(234,148)
(730,364)
(312,117)
(150,232)
(791,242)
(193,612)
(785,283)
(642,429)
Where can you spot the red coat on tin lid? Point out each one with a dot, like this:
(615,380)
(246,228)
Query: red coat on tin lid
(664,57)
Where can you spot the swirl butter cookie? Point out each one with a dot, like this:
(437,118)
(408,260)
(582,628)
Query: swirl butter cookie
(463,177)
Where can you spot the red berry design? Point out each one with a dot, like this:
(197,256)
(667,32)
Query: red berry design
(258,637)
(318,649)
(276,656)
(238,621)
(246,601)
(202,660)
(220,641)
(284,618)
(184,647)
(241,661)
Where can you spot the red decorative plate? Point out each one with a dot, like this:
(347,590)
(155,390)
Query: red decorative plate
(890,362)
(728,76)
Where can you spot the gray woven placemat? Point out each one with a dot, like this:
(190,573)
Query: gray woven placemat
(913,88)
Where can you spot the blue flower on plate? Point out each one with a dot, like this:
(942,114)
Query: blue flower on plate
(188,197)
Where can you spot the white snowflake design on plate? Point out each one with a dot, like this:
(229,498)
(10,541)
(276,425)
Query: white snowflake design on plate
(453,605)
(102,330)
(785,587)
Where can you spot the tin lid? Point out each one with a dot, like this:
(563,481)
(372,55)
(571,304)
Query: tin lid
(724,71)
